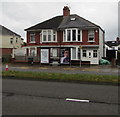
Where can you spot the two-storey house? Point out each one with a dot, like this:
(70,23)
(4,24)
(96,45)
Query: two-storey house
(9,41)
(66,39)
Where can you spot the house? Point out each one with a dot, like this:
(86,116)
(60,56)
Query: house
(9,41)
(112,48)
(65,39)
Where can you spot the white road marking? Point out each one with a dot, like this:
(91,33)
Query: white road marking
(77,100)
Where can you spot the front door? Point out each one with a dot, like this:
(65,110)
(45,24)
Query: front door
(89,53)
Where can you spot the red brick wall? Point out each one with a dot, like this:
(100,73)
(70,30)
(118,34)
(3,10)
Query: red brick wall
(37,37)
(6,51)
(38,51)
(60,37)
(85,38)
(28,37)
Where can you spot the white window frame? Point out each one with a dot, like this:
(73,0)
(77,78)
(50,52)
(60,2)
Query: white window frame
(65,39)
(85,53)
(91,32)
(95,53)
(32,34)
(52,36)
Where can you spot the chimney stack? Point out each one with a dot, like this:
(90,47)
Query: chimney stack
(117,39)
(66,11)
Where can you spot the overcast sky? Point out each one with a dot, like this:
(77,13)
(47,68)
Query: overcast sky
(18,16)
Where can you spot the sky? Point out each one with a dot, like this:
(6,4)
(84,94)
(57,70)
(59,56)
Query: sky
(18,15)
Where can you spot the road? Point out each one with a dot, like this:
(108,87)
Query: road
(25,97)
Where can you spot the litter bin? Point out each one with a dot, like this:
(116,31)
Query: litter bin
(30,61)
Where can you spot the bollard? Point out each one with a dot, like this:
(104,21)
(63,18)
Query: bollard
(6,69)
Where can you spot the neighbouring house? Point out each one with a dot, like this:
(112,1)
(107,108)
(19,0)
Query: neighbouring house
(65,39)
(112,48)
(9,41)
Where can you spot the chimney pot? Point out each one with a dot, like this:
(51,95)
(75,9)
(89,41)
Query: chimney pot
(66,11)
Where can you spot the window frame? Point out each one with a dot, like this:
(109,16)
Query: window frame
(65,35)
(91,34)
(95,53)
(84,53)
(11,40)
(32,35)
(53,33)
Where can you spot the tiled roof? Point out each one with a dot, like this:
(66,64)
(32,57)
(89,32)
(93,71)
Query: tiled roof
(62,22)
(52,23)
(6,31)
(112,43)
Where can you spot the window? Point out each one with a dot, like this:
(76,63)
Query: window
(73,53)
(64,35)
(72,35)
(32,51)
(91,36)
(16,40)
(95,53)
(32,37)
(44,36)
(78,35)
(49,36)
(84,53)
(54,36)
(68,35)
(11,40)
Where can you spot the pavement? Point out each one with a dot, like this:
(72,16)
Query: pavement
(98,69)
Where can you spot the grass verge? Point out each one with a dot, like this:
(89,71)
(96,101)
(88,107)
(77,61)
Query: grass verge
(62,77)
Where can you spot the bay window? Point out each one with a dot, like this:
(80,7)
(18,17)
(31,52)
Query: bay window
(68,35)
(49,36)
(72,35)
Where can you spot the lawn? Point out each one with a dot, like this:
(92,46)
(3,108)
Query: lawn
(61,77)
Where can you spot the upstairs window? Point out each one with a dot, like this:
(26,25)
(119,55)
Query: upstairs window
(68,35)
(44,36)
(72,35)
(32,37)
(11,40)
(49,36)
(91,36)
(16,40)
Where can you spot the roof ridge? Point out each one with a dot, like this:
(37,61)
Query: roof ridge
(3,27)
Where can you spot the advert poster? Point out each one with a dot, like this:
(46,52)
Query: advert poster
(44,56)
(65,56)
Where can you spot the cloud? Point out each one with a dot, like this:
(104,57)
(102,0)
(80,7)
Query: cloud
(20,15)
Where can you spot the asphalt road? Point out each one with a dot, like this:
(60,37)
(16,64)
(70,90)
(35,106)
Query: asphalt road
(25,97)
